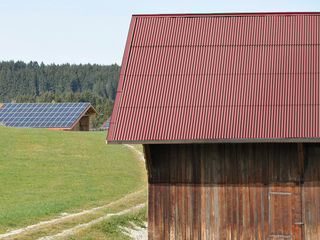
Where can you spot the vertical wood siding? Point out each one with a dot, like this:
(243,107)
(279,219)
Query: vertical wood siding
(233,191)
(311,192)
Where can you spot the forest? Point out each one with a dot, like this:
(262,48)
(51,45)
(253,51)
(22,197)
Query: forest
(33,82)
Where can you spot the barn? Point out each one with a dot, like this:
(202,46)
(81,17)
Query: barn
(227,109)
(67,116)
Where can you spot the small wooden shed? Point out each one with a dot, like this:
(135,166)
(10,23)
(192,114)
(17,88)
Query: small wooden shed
(227,107)
(67,116)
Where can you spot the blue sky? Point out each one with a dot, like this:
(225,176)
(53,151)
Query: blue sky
(94,31)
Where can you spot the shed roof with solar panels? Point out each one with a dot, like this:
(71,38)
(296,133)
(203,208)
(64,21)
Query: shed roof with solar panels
(69,116)
(106,124)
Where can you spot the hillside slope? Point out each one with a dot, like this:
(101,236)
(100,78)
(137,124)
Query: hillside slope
(44,173)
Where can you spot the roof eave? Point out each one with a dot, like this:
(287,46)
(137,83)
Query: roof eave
(241,140)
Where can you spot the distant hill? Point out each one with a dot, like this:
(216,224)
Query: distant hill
(34,82)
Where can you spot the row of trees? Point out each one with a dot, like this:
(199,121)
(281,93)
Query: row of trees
(33,82)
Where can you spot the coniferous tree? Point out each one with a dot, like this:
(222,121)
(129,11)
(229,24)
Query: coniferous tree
(34,82)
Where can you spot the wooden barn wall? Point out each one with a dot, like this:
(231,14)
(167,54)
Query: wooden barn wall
(311,192)
(225,191)
(82,125)
(85,123)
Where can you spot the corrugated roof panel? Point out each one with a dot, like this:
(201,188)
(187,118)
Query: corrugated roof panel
(210,77)
(245,123)
(220,31)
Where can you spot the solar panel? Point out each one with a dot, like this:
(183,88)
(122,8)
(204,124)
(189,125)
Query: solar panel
(46,115)
(106,123)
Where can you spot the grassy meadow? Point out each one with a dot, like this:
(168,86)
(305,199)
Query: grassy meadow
(44,173)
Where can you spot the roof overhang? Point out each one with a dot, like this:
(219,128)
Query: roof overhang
(91,111)
(199,141)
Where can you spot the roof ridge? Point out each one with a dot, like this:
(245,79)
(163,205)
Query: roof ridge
(223,14)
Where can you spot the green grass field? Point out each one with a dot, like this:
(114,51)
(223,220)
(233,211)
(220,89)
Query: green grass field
(44,173)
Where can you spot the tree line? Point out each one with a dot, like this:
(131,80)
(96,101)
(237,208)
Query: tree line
(33,82)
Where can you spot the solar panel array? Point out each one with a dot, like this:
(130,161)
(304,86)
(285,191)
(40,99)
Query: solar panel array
(106,124)
(47,115)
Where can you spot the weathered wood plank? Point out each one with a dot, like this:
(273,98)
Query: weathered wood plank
(222,191)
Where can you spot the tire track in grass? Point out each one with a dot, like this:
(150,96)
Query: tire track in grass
(64,217)
(73,215)
(141,156)
(68,232)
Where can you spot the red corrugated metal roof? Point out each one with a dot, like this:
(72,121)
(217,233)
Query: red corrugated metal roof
(219,77)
